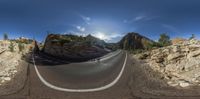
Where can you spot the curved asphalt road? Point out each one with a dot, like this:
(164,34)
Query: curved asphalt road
(86,75)
(93,75)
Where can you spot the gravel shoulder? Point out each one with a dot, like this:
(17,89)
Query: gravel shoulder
(17,83)
(146,83)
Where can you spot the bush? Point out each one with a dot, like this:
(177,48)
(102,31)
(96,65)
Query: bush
(20,46)
(153,45)
(11,47)
(137,51)
(164,40)
(192,37)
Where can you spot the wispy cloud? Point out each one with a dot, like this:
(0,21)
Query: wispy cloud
(86,19)
(171,28)
(139,18)
(80,28)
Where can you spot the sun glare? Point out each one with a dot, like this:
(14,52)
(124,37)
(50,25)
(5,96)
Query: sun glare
(101,36)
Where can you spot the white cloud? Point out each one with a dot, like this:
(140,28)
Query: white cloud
(139,18)
(80,28)
(86,19)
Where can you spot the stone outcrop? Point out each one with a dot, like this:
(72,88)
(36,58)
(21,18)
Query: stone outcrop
(178,41)
(9,61)
(179,63)
(8,66)
(134,41)
(74,48)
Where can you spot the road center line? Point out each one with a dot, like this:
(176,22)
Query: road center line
(80,90)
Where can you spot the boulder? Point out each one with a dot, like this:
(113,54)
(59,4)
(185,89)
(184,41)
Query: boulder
(173,84)
(194,54)
(184,84)
(143,55)
(174,56)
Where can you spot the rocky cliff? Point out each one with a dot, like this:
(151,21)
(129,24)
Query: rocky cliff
(74,48)
(179,64)
(134,41)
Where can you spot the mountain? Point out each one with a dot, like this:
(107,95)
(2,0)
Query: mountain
(74,48)
(134,41)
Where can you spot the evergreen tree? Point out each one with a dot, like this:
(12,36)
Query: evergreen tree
(193,36)
(164,40)
(5,36)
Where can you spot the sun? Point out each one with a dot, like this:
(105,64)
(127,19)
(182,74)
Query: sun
(101,35)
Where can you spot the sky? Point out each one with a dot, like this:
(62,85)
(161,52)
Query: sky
(109,20)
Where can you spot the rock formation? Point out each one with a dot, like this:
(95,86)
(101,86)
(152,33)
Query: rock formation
(178,41)
(134,41)
(10,60)
(74,48)
(178,63)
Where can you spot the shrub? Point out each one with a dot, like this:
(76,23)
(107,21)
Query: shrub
(192,37)
(20,46)
(164,40)
(11,47)
(153,45)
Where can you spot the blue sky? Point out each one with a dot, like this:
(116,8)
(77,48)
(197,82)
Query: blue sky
(106,19)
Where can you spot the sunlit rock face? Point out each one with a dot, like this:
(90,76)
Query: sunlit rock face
(178,63)
(134,41)
(178,41)
(10,60)
(75,48)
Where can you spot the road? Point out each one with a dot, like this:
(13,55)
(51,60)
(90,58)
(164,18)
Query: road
(82,76)
(116,76)
(107,78)
(85,76)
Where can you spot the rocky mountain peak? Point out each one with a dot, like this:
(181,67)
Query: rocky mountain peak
(134,41)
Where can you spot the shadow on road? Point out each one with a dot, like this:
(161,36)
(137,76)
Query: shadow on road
(43,59)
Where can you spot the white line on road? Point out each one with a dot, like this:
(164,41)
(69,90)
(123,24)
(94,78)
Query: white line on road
(113,54)
(80,90)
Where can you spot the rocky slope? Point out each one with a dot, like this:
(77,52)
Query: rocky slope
(134,41)
(74,48)
(178,64)
(10,60)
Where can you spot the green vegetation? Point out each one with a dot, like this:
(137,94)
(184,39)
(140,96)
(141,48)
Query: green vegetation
(56,39)
(11,47)
(137,51)
(74,39)
(151,46)
(192,37)
(5,36)
(24,41)
(20,46)
(164,40)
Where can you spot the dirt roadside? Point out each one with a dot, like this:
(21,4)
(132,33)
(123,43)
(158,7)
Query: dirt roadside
(17,83)
(146,83)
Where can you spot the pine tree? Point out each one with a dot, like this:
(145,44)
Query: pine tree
(5,36)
